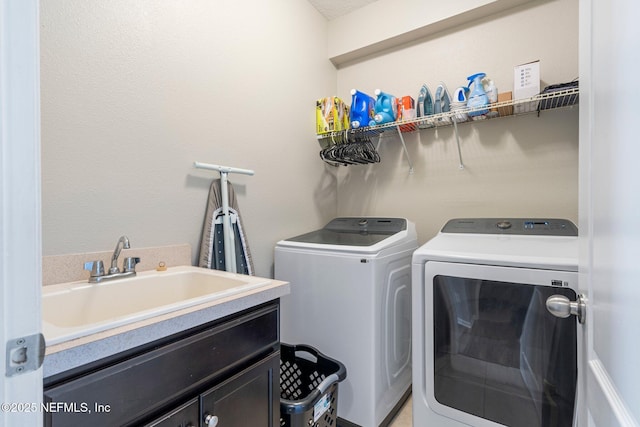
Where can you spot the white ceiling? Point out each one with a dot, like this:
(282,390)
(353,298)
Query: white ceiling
(332,9)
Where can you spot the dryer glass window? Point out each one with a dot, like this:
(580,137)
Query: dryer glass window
(500,355)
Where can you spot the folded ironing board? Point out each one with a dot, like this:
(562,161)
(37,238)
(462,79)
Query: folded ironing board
(212,250)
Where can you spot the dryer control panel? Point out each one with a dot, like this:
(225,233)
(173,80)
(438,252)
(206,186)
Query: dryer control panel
(517,226)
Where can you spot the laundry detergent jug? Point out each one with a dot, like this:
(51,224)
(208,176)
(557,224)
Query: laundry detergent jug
(386,108)
(362,109)
(477,97)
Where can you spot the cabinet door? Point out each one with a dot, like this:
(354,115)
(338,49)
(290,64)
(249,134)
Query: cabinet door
(184,416)
(250,398)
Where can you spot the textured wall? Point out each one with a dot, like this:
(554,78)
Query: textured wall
(134,92)
(515,166)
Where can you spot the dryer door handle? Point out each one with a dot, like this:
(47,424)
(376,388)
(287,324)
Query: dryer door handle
(561,306)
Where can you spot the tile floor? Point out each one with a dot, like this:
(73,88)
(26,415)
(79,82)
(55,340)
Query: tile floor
(403,419)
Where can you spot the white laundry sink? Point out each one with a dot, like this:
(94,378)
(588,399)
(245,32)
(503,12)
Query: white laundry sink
(76,309)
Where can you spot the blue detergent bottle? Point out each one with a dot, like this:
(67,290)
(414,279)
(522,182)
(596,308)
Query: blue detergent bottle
(386,108)
(362,109)
(477,97)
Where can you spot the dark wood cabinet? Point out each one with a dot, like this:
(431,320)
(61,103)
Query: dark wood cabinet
(219,370)
(248,398)
(187,415)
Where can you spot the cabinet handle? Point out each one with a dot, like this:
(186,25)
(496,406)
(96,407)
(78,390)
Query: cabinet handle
(210,420)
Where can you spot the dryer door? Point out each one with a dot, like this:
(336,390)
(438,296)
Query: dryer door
(494,354)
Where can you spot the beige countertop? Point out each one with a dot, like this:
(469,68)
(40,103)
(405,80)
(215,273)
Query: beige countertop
(77,352)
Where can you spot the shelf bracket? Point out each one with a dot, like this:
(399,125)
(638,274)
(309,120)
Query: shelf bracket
(379,142)
(455,128)
(404,147)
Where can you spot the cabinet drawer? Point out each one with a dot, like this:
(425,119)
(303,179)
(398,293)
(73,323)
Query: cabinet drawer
(130,390)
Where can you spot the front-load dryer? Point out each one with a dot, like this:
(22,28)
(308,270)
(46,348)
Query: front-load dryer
(486,350)
(351,298)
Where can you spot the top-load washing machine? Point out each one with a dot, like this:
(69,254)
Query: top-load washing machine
(351,298)
(488,348)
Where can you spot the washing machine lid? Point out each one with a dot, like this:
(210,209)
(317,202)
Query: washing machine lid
(355,234)
(516,242)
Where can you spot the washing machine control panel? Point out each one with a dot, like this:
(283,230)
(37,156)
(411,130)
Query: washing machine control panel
(517,226)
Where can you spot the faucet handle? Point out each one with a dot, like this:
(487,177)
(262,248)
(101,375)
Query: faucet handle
(96,268)
(130,264)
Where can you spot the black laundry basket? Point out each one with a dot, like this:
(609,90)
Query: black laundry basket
(308,387)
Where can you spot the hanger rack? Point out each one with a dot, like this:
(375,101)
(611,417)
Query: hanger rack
(229,244)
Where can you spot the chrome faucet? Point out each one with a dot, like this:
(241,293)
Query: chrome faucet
(128,266)
(124,240)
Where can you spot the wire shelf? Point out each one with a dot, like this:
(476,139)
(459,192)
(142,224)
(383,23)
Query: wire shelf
(535,104)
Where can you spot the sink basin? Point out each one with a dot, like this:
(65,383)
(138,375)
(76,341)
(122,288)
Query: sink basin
(77,309)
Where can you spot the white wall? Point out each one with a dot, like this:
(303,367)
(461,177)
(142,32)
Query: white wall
(401,21)
(134,92)
(515,166)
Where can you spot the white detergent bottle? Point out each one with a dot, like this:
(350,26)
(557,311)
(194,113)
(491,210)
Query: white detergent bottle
(491,90)
(492,93)
(477,97)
